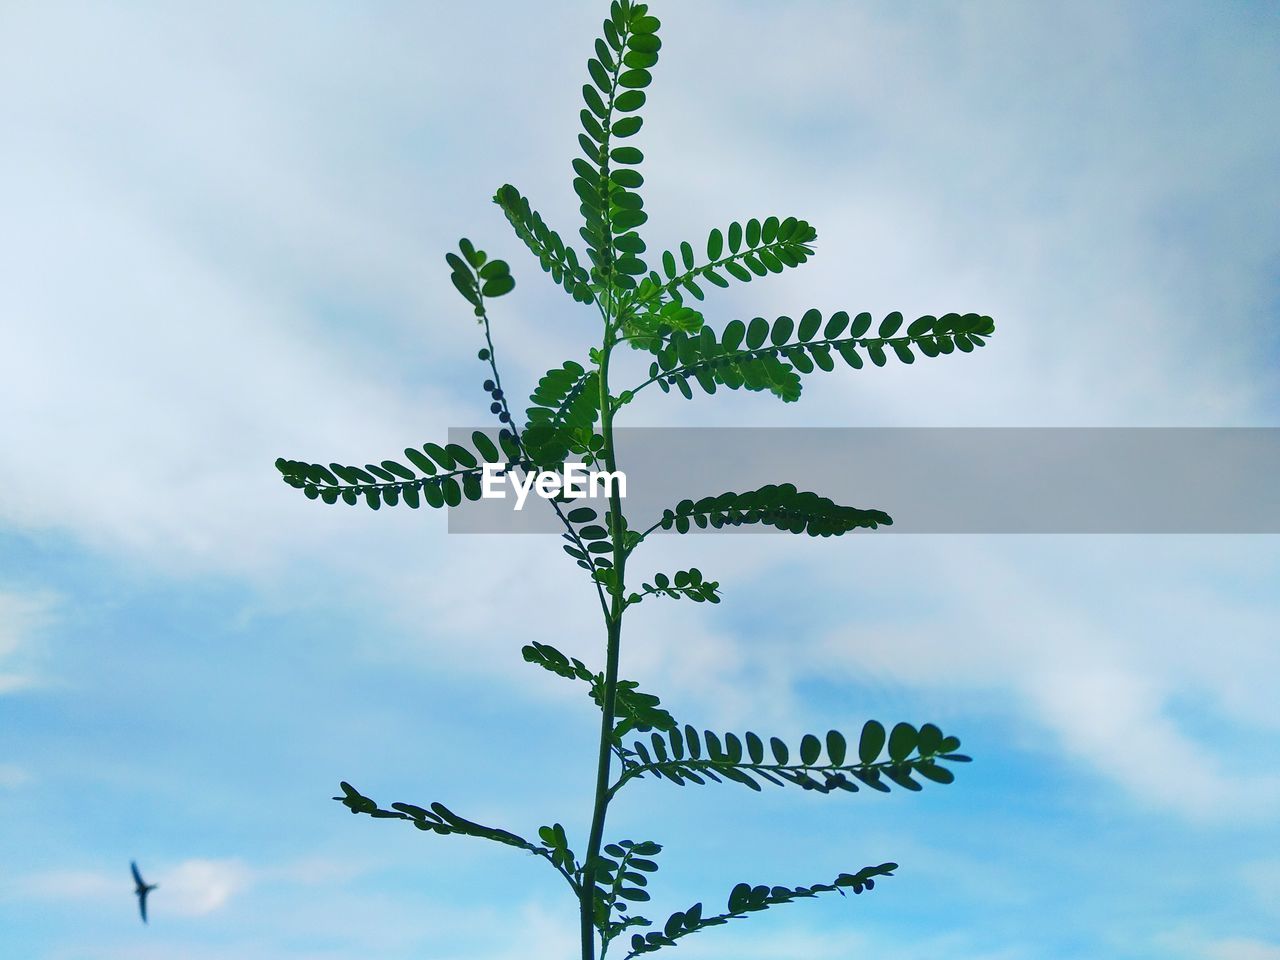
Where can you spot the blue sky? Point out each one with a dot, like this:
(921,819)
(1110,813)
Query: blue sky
(224,228)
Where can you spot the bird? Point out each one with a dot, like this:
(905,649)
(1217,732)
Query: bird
(141,889)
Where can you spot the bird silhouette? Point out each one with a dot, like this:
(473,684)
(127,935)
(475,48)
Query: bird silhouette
(141,889)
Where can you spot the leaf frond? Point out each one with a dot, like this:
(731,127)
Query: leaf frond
(476,277)
(781,506)
(634,710)
(439,819)
(759,248)
(745,899)
(688,584)
(439,476)
(607,178)
(880,760)
(554,256)
(621,877)
(761,355)
(563,412)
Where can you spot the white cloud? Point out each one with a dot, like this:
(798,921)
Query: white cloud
(177,243)
(196,888)
(1262,878)
(174,334)
(1094,641)
(1101,715)
(22,615)
(13,776)
(191,888)
(541,934)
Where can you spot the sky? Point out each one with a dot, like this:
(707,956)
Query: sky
(223,239)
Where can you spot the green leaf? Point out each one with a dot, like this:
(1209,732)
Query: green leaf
(599,75)
(780,752)
(809,325)
(498,286)
(902,740)
(627,155)
(627,127)
(871,742)
(935,773)
(835,747)
(419,460)
(810,749)
(715,245)
(836,325)
(889,326)
(487,449)
(549,658)
(629,101)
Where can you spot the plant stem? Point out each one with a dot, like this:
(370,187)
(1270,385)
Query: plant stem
(613,622)
(510,424)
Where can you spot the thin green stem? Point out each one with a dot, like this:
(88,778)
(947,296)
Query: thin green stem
(519,441)
(617,604)
(614,631)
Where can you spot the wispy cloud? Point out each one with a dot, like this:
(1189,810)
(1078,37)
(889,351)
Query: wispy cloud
(22,615)
(1078,636)
(192,888)
(13,776)
(200,887)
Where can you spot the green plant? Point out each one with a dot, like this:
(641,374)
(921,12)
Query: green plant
(572,414)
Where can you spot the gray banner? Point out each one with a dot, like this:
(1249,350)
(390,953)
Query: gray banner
(947,480)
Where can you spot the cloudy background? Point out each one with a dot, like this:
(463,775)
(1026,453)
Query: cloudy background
(222,229)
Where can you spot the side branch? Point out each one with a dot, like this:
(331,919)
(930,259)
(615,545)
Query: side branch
(745,899)
(518,440)
(440,819)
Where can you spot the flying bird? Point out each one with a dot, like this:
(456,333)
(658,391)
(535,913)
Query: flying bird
(141,889)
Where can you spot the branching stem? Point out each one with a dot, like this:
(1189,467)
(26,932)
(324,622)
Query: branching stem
(515,433)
